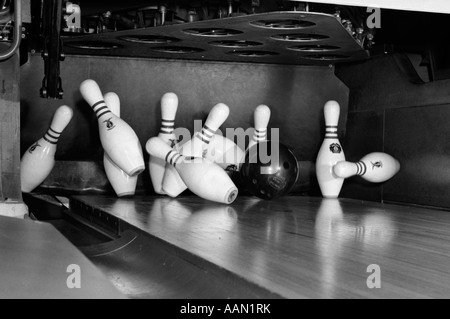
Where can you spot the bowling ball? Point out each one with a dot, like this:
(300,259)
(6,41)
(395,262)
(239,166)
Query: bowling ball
(269,173)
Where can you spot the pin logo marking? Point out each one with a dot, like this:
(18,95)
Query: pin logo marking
(378,164)
(173,143)
(33,148)
(109,124)
(335,148)
(231,168)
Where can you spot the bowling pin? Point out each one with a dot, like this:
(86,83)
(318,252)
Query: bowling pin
(122,183)
(375,167)
(39,159)
(330,153)
(118,139)
(225,153)
(173,184)
(157,166)
(261,121)
(203,177)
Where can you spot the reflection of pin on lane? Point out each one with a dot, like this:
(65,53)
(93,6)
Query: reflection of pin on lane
(329,241)
(197,146)
(126,208)
(203,177)
(118,139)
(157,167)
(364,231)
(379,230)
(216,231)
(330,153)
(153,218)
(372,227)
(219,217)
(329,213)
(376,167)
(167,216)
(174,214)
(122,183)
(250,203)
(39,159)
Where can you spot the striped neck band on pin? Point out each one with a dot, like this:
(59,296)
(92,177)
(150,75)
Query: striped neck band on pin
(331,132)
(100,109)
(205,135)
(52,136)
(362,168)
(167,126)
(260,135)
(173,158)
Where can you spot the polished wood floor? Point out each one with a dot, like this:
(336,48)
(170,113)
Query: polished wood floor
(304,247)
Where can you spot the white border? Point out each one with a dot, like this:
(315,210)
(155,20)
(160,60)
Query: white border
(436,6)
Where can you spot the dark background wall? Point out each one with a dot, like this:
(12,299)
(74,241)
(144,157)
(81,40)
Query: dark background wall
(295,94)
(390,111)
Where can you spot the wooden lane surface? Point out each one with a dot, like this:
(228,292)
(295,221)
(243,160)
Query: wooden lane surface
(304,247)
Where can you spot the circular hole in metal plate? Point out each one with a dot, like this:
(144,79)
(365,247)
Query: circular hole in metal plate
(299,37)
(283,24)
(149,39)
(212,32)
(177,50)
(314,48)
(94,45)
(326,57)
(252,53)
(235,43)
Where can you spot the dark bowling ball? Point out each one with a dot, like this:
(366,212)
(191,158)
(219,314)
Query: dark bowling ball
(268,173)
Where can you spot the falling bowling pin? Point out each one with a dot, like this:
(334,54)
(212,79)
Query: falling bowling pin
(203,177)
(173,184)
(39,159)
(376,167)
(225,153)
(330,153)
(157,166)
(261,121)
(122,183)
(118,139)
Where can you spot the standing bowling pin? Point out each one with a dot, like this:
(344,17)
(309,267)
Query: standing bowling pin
(157,166)
(330,153)
(261,121)
(39,159)
(203,177)
(375,167)
(173,184)
(118,139)
(122,183)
